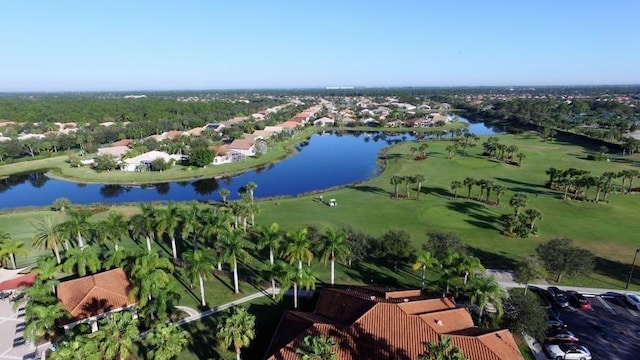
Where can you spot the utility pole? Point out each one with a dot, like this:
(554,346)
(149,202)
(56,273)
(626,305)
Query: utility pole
(633,264)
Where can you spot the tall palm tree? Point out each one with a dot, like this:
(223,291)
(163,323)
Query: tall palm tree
(80,261)
(114,228)
(46,269)
(166,341)
(553,174)
(235,248)
(408,180)
(47,236)
(499,190)
(150,275)
(424,261)
(42,320)
(271,237)
(298,247)
(455,186)
(11,249)
(237,329)
(442,349)
(333,246)
(518,201)
(487,291)
(469,182)
(419,178)
(521,156)
(191,223)
(216,225)
(224,194)
(144,224)
(533,215)
(251,187)
(318,347)
(77,226)
(201,264)
(167,223)
(118,336)
(395,181)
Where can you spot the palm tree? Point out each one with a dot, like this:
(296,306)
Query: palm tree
(455,186)
(408,180)
(117,258)
(150,275)
(213,231)
(166,341)
(553,174)
(77,226)
(79,261)
(42,320)
(191,224)
(521,156)
(424,261)
(532,215)
(237,329)
(518,201)
(11,249)
(469,182)
(442,349)
(47,236)
(499,190)
(235,248)
(118,336)
(144,224)
(512,149)
(298,247)
(167,223)
(487,291)
(332,246)
(271,237)
(46,269)
(224,194)
(201,264)
(423,149)
(114,228)
(395,181)
(419,178)
(318,347)
(250,187)
(289,276)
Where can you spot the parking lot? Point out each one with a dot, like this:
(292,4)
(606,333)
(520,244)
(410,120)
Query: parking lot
(611,329)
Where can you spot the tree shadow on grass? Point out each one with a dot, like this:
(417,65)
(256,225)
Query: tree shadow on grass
(493,260)
(372,276)
(476,214)
(370,189)
(616,270)
(203,338)
(436,191)
(267,320)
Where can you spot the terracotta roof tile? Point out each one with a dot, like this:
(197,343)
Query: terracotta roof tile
(446,321)
(95,294)
(386,328)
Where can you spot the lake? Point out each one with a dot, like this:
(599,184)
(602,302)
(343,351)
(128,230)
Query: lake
(325,160)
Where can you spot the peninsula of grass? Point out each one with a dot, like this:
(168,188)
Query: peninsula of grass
(609,230)
(58,167)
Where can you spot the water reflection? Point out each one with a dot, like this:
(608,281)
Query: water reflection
(205,186)
(110,191)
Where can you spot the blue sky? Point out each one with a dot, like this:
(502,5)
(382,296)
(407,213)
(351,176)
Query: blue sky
(134,45)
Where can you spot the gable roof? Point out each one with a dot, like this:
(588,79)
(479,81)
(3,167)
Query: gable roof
(95,294)
(241,144)
(376,324)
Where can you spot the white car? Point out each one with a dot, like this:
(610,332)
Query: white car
(567,352)
(633,299)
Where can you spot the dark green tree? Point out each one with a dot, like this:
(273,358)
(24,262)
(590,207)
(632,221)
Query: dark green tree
(560,257)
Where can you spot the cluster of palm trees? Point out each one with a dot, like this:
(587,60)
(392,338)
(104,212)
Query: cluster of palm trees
(467,140)
(484,186)
(577,183)
(493,148)
(9,248)
(408,180)
(459,270)
(422,149)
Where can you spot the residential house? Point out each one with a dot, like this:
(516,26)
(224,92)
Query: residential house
(143,162)
(418,122)
(225,156)
(274,129)
(324,121)
(215,127)
(289,126)
(115,151)
(245,147)
(123,142)
(374,323)
(93,297)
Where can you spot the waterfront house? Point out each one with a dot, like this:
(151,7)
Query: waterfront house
(143,162)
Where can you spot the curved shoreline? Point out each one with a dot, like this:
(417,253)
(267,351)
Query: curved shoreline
(55,172)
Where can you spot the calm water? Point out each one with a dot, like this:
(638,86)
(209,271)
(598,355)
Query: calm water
(324,161)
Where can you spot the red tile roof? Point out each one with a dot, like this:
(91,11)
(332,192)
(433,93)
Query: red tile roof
(24,280)
(95,294)
(241,144)
(373,324)
(123,142)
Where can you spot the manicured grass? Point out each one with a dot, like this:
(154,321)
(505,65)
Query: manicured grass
(609,230)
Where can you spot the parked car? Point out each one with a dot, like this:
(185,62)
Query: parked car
(557,335)
(578,300)
(553,320)
(559,296)
(633,299)
(567,352)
